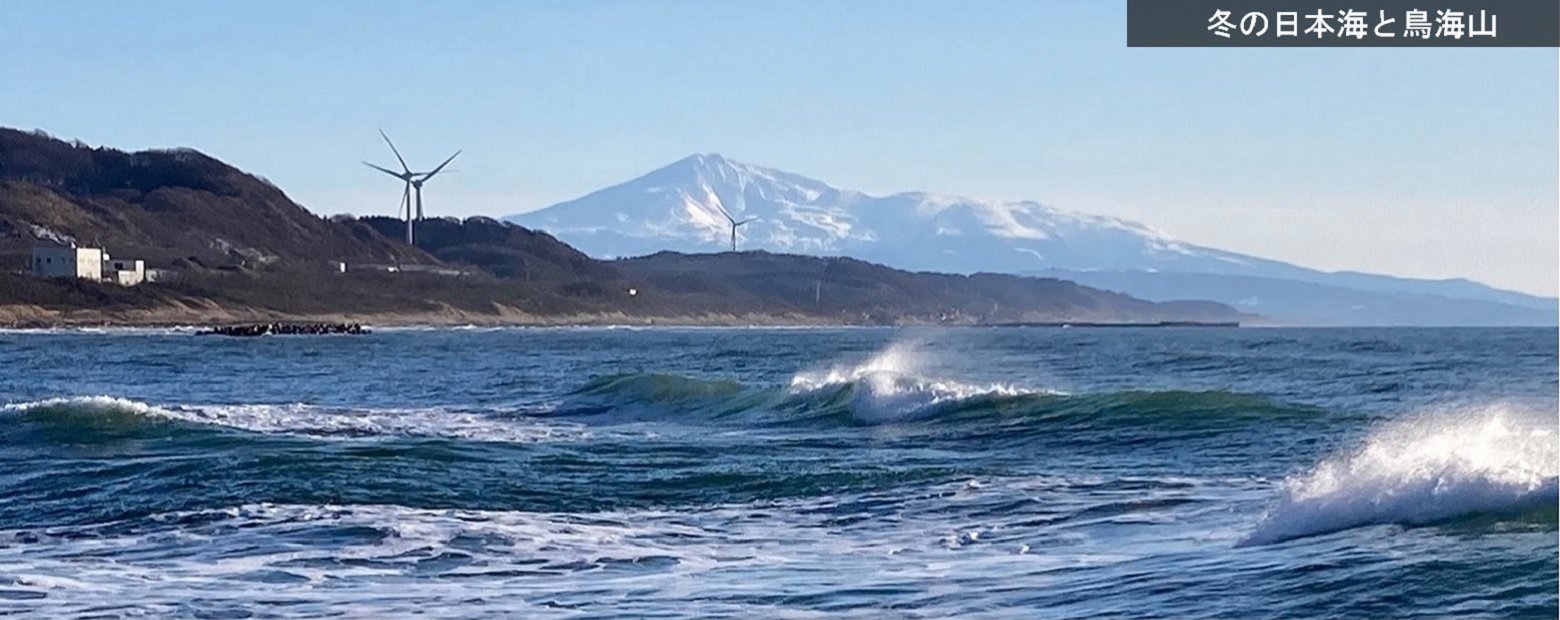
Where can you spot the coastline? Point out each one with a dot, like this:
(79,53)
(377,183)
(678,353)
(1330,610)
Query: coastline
(37,317)
(34,317)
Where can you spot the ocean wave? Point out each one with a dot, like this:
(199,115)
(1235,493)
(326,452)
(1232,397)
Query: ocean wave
(377,560)
(873,399)
(108,413)
(891,387)
(881,398)
(178,330)
(1494,462)
(902,522)
(894,387)
(606,405)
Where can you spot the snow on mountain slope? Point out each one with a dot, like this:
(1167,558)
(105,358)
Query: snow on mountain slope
(684,206)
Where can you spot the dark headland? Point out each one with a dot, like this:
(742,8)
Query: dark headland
(230,248)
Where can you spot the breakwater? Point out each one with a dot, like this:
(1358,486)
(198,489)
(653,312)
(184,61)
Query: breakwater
(286,329)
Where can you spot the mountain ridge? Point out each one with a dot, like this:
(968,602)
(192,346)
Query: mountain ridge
(680,207)
(238,248)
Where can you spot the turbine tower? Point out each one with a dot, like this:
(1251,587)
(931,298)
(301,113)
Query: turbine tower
(414,182)
(734,225)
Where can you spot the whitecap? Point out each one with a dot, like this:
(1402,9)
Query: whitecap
(329,422)
(892,387)
(1494,460)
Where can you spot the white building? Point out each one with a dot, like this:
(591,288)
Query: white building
(123,272)
(71,261)
(67,261)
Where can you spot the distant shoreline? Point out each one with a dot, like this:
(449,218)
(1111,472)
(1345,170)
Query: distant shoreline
(1122,324)
(33,317)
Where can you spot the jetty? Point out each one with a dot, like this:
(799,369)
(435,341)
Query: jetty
(285,329)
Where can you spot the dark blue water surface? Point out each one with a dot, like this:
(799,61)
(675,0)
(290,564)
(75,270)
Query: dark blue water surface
(779,473)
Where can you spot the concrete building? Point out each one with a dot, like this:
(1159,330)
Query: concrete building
(67,261)
(71,261)
(123,272)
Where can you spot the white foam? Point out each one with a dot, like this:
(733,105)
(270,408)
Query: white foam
(726,560)
(889,387)
(375,558)
(98,404)
(332,422)
(1487,460)
(182,330)
(409,329)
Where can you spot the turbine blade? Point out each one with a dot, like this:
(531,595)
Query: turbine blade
(441,166)
(744,221)
(386,171)
(393,150)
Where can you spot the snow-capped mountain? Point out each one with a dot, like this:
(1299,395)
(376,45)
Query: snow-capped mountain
(684,207)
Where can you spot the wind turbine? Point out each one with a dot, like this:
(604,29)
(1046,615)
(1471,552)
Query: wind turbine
(414,182)
(734,225)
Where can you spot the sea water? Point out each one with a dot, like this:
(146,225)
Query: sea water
(780,473)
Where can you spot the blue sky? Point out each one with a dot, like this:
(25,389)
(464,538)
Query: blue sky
(1428,162)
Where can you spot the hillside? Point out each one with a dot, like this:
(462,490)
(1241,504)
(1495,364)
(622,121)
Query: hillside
(244,251)
(683,207)
(173,208)
(870,292)
(500,248)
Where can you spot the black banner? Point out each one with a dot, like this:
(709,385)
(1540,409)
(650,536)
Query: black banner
(1343,23)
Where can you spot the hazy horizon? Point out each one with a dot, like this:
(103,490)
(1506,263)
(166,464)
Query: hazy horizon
(1431,163)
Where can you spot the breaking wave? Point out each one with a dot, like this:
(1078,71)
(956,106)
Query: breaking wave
(889,388)
(910,401)
(119,415)
(872,398)
(1496,462)
(892,389)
